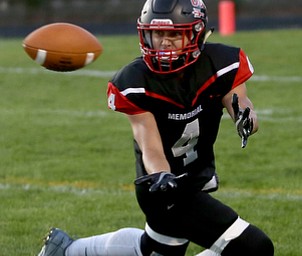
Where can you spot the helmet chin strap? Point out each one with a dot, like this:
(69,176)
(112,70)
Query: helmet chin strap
(207,35)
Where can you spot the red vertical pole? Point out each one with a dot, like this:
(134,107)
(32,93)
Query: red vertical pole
(226,16)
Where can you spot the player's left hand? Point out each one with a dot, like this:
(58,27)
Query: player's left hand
(244,124)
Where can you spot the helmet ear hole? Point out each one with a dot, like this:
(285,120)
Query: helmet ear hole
(198,27)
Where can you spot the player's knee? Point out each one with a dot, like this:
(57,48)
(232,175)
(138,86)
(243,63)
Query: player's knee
(250,243)
(263,246)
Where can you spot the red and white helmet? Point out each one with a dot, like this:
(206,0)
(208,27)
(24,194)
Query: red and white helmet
(186,16)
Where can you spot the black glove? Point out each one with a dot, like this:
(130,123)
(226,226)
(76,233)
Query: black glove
(160,181)
(244,124)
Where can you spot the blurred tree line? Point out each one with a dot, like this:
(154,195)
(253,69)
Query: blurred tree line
(17,15)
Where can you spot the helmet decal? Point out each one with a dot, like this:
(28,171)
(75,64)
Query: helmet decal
(198,5)
(161,22)
(197,13)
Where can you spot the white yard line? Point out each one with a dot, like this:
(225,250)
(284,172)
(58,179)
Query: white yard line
(110,73)
(274,115)
(36,71)
(282,79)
(268,115)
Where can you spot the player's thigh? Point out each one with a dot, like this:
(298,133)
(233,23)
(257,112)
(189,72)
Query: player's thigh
(197,217)
(206,218)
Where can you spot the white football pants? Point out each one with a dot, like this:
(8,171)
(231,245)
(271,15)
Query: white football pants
(123,242)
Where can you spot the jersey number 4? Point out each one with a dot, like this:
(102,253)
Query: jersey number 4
(185,145)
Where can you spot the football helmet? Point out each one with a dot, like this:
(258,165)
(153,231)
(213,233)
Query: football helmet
(187,17)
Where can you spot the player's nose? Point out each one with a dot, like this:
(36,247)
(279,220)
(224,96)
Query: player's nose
(166,42)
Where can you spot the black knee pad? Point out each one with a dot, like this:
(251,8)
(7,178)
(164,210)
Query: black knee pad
(150,247)
(250,243)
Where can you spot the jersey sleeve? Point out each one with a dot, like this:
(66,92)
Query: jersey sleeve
(245,70)
(118,102)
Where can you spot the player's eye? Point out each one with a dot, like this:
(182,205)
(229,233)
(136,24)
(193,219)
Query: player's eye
(168,33)
(159,33)
(175,34)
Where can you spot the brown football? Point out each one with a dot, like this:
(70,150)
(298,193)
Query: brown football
(62,46)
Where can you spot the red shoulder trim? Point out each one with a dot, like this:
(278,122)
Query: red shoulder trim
(119,102)
(245,70)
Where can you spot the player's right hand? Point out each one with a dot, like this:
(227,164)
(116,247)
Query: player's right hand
(165,181)
(160,181)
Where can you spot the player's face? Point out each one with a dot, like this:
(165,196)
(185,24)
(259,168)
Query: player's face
(169,40)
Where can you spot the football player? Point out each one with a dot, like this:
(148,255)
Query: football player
(174,96)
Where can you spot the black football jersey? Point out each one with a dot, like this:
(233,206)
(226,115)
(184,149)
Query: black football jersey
(187,105)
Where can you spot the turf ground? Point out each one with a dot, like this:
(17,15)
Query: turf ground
(67,161)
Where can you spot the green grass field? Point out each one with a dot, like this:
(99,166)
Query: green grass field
(67,161)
